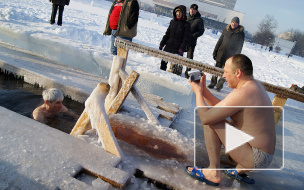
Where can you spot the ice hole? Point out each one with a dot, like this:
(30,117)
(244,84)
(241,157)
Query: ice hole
(140,174)
(85,176)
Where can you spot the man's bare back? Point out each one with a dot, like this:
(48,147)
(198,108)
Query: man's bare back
(244,106)
(42,114)
(255,121)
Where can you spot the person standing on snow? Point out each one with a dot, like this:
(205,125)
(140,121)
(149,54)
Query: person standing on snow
(176,38)
(122,21)
(56,4)
(197,30)
(230,43)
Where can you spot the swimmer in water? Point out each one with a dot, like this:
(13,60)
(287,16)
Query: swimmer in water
(52,106)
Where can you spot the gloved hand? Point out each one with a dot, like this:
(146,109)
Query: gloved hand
(180,52)
(214,57)
(160,47)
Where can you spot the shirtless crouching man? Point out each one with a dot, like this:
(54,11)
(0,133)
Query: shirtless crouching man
(257,122)
(52,105)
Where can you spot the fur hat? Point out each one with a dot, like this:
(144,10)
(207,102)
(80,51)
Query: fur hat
(235,19)
(194,6)
(178,9)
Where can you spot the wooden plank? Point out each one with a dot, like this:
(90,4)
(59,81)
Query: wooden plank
(278,101)
(151,96)
(169,107)
(167,115)
(99,119)
(123,93)
(82,125)
(205,67)
(140,99)
(124,54)
(113,78)
(120,182)
(107,136)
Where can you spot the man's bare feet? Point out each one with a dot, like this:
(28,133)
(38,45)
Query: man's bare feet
(214,176)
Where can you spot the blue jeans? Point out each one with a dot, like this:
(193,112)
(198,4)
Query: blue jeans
(114,48)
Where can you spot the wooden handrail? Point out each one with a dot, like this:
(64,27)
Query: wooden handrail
(127,45)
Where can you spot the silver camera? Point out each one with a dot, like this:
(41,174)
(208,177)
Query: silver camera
(195,75)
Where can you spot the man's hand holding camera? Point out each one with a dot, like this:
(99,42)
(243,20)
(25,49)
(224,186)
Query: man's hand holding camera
(197,80)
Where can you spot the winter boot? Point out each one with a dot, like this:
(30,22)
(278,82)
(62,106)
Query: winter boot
(186,72)
(177,69)
(163,65)
(220,84)
(171,68)
(296,88)
(213,82)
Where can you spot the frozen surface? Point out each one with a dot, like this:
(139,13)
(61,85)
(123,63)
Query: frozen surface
(35,156)
(72,82)
(80,43)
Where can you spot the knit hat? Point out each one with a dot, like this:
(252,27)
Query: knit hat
(194,6)
(178,9)
(236,19)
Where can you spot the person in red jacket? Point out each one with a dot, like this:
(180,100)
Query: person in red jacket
(56,4)
(122,21)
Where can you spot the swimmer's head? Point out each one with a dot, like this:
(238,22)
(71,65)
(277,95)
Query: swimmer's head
(242,62)
(52,94)
(237,69)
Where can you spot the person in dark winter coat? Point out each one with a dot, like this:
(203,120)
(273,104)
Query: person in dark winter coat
(56,4)
(122,21)
(197,29)
(230,43)
(176,38)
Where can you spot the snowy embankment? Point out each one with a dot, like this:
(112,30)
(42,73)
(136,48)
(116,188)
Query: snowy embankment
(84,22)
(26,24)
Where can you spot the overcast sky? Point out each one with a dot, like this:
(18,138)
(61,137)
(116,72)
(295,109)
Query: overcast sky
(288,13)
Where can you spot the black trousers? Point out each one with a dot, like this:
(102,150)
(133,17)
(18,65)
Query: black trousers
(54,12)
(163,65)
(214,78)
(190,54)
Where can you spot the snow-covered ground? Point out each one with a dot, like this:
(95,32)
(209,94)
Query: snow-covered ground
(79,42)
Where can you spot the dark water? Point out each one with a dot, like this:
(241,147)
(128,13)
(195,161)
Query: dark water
(21,97)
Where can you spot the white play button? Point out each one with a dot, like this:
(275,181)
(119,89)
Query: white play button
(235,138)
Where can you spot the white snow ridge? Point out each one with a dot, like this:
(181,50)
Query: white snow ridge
(75,57)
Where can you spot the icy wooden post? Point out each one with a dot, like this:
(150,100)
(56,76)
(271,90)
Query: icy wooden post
(140,99)
(124,54)
(99,119)
(278,101)
(82,125)
(95,114)
(114,80)
(123,93)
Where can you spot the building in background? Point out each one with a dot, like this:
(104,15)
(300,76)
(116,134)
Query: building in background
(216,13)
(228,4)
(282,45)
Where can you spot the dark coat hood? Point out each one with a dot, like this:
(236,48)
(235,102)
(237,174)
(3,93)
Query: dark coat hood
(184,11)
